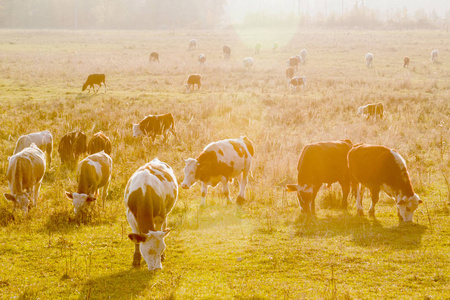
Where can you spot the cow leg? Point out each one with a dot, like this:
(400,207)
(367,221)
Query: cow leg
(226,190)
(204,191)
(137,256)
(313,199)
(36,193)
(105,193)
(375,196)
(345,191)
(359,197)
(242,184)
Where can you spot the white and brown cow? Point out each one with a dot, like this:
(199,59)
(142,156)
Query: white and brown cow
(297,81)
(375,110)
(43,140)
(153,125)
(94,172)
(220,162)
(193,79)
(380,168)
(319,163)
(25,172)
(150,195)
(294,62)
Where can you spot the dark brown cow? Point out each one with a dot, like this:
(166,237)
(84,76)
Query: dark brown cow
(290,72)
(193,79)
(71,146)
(153,125)
(406,61)
(226,52)
(319,163)
(372,110)
(380,168)
(294,62)
(99,142)
(154,56)
(94,79)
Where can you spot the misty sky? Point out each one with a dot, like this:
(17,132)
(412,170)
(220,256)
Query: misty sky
(237,9)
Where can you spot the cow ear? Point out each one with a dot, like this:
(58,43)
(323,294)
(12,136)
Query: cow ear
(69,195)
(137,238)
(90,199)
(292,187)
(10,197)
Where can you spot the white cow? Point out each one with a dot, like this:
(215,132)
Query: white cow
(149,196)
(43,140)
(248,63)
(192,44)
(302,55)
(25,172)
(434,56)
(220,162)
(369,60)
(94,172)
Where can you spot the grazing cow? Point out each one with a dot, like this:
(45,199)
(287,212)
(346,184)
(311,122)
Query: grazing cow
(71,146)
(369,60)
(150,195)
(434,56)
(297,81)
(274,47)
(372,110)
(319,163)
(94,172)
(302,55)
(154,56)
(94,79)
(290,72)
(43,140)
(201,58)
(99,142)
(406,61)
(293,62)
(226,52)
(380,168)
(258,48)
(153,125)
(193,79)
(248,63)
(25,172)
(220,162)
(192,44)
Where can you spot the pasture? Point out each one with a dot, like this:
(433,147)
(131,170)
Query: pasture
(266,250)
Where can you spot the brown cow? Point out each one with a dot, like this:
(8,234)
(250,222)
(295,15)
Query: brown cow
(290,72)
(293,62)
(380,168)
(372,110)
(319,163)
(154,56)
(406,61)
(193,79)
(226,52)
(94,79)
(71,146)
(153,125)
(99,142)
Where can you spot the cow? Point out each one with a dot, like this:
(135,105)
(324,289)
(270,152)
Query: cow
(154,56)
(319,163)
(257,48)
(193,79)
(302,55)
(290,72)
(274,46)
(202,58)
(71,146)
(406,61)
(375,110)
(369,60)
(153,125)
(293,62)
(248,63)
(150,195)
(99,142)
(434,56)
(297,81)
(43,140)
(220,162)
(25,172)
(192,44)
(92,80)
(380,168)
(94,172)
(226,52)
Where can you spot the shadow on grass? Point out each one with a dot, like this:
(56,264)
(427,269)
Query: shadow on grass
(123,285)
(365,232)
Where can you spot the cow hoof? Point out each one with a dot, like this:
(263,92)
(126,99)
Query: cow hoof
(240,200)
(136,264)
(360,213)
(372,213)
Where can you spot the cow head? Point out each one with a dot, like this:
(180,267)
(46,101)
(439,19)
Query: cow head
(189,173)
(151,246)
(406,207)
(79,201)
(304,194)
(21,201)
(137,130)
(84,87)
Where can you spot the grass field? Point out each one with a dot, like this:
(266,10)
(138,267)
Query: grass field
(266,250)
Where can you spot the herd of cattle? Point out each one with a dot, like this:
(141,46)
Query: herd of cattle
(152,190)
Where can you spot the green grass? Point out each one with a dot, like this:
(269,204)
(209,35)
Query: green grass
(267,249)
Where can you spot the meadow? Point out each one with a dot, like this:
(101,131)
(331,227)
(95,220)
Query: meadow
(267,249)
